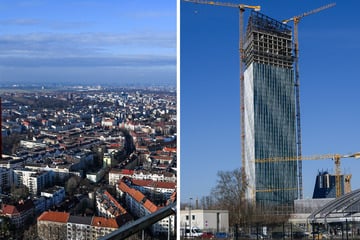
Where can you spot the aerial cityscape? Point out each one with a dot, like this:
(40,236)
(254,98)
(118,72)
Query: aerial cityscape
(107,155)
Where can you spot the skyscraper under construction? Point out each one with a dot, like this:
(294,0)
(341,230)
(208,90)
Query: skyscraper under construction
(269,112)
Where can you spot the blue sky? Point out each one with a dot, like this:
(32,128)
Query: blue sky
(86,41)
(210,89)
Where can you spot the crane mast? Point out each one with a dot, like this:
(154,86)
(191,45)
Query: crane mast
(296,20)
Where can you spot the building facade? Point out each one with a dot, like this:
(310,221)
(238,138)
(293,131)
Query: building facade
(52,225)
(269,112)
(19,213)
(205,220)
(141,206)
(61,226)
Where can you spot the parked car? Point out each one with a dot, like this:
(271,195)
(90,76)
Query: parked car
(195,232)
(222,235)
(207,235)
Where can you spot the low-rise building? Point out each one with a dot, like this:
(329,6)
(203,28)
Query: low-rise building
(20,213)
(55,194)
(206,220)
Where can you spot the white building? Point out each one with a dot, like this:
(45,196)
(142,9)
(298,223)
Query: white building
(79,227)
(206,220)
(95,177)
(56,194)
(116,174)
(34,180)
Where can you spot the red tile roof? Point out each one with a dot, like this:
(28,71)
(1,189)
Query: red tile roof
(112,199)
(150,206)
(9,209)
(104,222)
(156,184)
(15,209)
(127,171)
(54,216)
(169,149)
(138,196)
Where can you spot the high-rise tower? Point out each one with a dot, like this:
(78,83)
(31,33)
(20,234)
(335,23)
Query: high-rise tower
(269,112)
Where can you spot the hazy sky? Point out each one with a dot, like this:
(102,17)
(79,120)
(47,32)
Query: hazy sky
(210,89)
(88,41)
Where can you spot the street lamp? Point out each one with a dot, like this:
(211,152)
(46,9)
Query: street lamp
(190,231)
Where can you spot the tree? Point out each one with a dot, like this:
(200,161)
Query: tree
(228,192)
(207,202)
(72,184)
(18,193)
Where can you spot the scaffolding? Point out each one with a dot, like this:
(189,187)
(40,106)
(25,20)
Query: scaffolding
(268,42)
(269,111)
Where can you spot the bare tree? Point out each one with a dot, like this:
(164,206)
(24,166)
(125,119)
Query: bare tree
(72,184)
(228,193)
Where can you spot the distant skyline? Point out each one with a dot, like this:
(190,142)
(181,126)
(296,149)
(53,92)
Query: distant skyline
(210,89)
(88,42)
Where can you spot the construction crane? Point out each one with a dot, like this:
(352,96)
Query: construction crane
(296,20)
(335,157)
(241,8)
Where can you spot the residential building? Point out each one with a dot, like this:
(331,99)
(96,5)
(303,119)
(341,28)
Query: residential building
(79,228)
(62,226)
(52,225)
(96,176)
(140,206)
(102,226)
(5,177)
(155,188)
(34,180)
(107,206)
(19,213)
(55,194)
(117,174)
(269,113)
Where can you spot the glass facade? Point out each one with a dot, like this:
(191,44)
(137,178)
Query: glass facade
(269,112)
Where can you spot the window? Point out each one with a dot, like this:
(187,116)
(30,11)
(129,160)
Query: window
(193,217)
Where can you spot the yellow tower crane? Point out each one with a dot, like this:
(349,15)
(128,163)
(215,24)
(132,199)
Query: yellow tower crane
(241,8)
(296,20)
(335,157)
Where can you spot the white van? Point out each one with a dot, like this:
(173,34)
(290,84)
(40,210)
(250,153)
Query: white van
(195,232)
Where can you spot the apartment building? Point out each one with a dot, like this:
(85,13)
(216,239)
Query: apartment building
(62,226)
